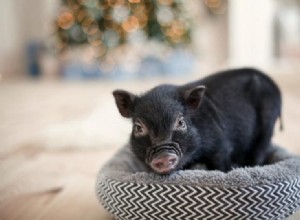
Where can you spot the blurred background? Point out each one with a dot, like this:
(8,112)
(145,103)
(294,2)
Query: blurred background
(61,59)
(118,39)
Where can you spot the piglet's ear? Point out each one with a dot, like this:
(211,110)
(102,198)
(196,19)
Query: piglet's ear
(194,96)
(124,101)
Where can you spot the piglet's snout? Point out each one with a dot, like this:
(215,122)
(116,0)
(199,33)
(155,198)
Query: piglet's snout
(164,163)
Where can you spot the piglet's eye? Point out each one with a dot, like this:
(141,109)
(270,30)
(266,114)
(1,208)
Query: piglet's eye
(180,124)
(139,129)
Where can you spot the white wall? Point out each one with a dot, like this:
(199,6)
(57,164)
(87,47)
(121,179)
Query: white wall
(251,38)
(20,22)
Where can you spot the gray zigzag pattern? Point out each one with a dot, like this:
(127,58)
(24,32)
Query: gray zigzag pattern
(137,201)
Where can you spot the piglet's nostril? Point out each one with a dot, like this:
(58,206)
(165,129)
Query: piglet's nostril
(158,164)
(172,160)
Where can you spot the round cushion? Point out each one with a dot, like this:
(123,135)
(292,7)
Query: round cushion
(129,190)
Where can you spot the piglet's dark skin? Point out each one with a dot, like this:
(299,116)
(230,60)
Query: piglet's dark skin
(224,120)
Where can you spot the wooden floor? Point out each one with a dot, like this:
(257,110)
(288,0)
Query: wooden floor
(39,181)
(51,185)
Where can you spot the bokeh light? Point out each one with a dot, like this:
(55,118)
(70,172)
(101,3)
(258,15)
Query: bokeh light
(65,20)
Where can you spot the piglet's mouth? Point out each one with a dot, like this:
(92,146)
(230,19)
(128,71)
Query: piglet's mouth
(163,159)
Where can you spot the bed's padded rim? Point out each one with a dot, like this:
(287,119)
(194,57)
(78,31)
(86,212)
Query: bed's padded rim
(125,167)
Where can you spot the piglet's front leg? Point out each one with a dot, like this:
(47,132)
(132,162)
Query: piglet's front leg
(219,161)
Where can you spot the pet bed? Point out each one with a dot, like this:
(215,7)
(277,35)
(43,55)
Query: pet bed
(128,190)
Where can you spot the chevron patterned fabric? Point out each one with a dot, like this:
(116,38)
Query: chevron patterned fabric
(138,200)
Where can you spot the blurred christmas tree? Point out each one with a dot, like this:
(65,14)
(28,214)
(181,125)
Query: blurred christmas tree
(107,24)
